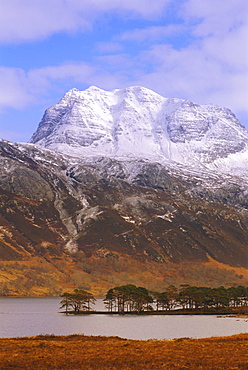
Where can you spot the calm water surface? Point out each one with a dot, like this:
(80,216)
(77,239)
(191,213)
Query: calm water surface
(33,316)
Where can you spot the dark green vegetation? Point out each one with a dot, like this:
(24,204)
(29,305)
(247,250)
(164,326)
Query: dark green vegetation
(132,299)
(128,298)
(104,223)
(79,300)
(91,353)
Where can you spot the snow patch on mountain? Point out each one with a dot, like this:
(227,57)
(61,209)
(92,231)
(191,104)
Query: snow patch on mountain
(138,123)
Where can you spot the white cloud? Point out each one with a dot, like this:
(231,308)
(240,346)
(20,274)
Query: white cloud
(192,74)
(153,33)
(28,20)
(117,62)
(143,8)
(214,66)
(19,89)
(79,72)
(14,88)
(215,17)
(211,68)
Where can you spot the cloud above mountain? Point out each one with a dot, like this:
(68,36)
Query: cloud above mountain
(33,20)
(192,49)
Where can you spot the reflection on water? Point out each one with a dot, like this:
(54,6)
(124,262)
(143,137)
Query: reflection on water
(34,316)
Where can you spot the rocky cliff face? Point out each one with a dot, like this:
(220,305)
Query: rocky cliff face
(136,189)
(98,222)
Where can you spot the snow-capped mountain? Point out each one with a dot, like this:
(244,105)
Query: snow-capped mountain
(125,186)
(138,123)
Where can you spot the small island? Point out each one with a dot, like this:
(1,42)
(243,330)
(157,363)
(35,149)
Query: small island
(130,299)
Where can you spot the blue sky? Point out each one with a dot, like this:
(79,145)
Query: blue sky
(190,49)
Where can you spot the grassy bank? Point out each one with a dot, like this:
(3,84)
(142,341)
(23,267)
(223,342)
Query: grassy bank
(105,353)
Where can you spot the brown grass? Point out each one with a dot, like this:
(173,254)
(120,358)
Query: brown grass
(105,353)
(38,276)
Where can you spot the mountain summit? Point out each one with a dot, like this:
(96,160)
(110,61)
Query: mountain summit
(138,123)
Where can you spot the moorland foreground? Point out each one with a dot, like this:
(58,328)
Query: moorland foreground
(105,353)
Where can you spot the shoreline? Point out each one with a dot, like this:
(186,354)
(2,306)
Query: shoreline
(153,313)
